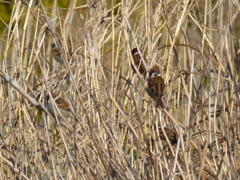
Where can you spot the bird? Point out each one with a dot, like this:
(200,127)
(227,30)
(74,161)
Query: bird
(166,134)
(57,55)
(63,111)
(156,86)
(138,63)
(171,134)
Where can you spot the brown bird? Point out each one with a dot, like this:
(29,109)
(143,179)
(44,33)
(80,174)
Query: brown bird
(57,55)
(138,62)
(156,86)
(62,107)
(165,134)
(170,133)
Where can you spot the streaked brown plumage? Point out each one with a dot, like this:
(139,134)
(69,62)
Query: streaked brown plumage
(138,63)
(57,56)
(156,86)
(62,105)
(170,133)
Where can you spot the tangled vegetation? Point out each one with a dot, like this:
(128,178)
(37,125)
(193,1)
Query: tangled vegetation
(115,130)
